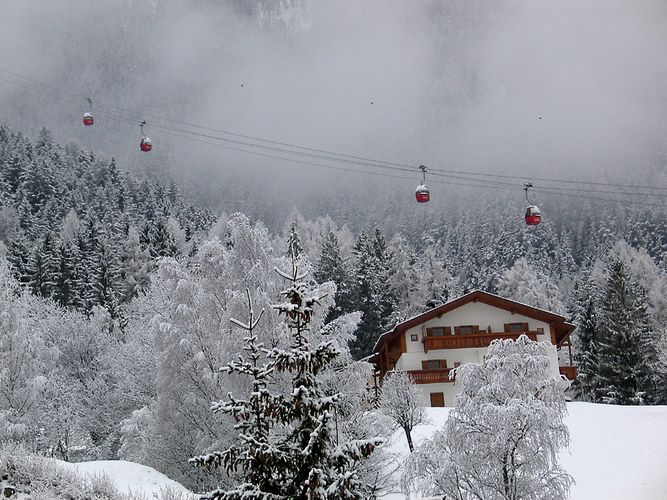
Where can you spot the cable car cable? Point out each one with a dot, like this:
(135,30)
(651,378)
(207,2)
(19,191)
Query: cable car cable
(332,167)
(340,157)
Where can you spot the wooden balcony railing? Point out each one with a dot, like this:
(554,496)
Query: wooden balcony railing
(433,376)
(570,372)
(471,340)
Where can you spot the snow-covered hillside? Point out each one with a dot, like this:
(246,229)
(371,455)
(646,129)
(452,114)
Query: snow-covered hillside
(616,452)
(129,477)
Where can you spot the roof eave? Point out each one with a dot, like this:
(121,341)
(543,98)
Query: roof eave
(472,296)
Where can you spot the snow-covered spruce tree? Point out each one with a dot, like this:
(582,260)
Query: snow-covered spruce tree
(332,267)
(319,467)
(383,273)
(294,247)
(364,297)
(371,291)
(585,313)
(628,363)
(254,455)
(290,446)
(502,438)
(399,401)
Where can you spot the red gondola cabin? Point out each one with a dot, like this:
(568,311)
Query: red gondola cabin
(146,145)
(422,194)
(533,215)
(88,119)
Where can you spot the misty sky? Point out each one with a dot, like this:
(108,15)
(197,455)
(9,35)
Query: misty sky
(457,85)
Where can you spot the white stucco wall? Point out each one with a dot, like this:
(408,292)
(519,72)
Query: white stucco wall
(472,313)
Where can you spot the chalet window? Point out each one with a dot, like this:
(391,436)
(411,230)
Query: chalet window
(434,364)
(466,329)
(540,331)
(413,337)
(439,331)
(437,399)
(516,327)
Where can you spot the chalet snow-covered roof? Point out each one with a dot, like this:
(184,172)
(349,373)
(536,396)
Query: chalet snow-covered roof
(563,328)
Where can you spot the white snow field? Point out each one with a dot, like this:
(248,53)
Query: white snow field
(616,452)
(130,477)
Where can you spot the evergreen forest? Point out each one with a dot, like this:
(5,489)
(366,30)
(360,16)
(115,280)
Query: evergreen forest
(118,292)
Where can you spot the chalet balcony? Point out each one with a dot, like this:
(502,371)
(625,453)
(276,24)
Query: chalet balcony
(471,340)
(433,376)
(570,372)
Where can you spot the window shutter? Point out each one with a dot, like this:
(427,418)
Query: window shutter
(443,363)
(429,332)
(437,399)
(457,330)
(475,328)
(507,327)
(424,365)
(524,327)
(448,330)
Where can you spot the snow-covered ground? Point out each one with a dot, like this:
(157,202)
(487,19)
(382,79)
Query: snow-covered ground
(129,477)
(616,452)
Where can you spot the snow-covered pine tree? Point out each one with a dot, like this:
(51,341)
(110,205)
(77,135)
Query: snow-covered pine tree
(64,280)
(162,242)
(385,298)
(294,247)
(586,336)
(320,467)
(501,440)
(254,456)
(332,267)
(18,256)
(363,296)
(42,267)
(134,268)
(291,450)
(628,365)
(105,279)
(371,293)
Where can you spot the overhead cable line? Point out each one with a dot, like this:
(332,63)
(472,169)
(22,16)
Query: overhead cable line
(478,179)
(334,167)
(363,159)
(549,191)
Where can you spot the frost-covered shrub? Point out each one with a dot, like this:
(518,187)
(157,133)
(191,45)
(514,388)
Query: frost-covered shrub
(399,401)
(45,478)
(502,438)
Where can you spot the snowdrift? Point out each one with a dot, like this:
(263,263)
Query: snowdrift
(616,452)
(131,478)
